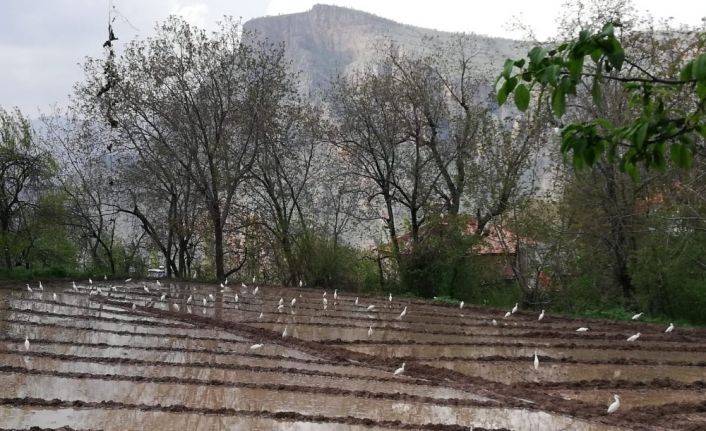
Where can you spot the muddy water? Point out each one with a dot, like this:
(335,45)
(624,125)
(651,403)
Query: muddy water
(311,404)
(14,417)
(238,376)
(511,372)
(471,352)
(631,398)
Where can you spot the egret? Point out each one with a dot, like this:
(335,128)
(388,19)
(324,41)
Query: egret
(158,283)
(294,301)
(284,333)
(356,300)
(210,296)
(461,305)
(279,308)
(301,283)
(325,301)
(370,307)
(403,313)
(582,329)
(256,346)
(325,306)
(400,370)
(324,295)
(335,294)
(161,298)
(188,309)
(253,279)
(40,286)
(281,301)
(615,405)
(205,302)
(203,311)
(536,361)
(222,286)
(145,289)
(29,289)
(494,322)
(73,286)
(176,307)
(236,297)
(189,299)
(514,309)
(90,281)
(105,277)
(53,295)
(389,298)
(508,314)
(634,337)
(541,315)
(261,314)
(226,281)
(100,291)
(127,280)
(244,286)
(637,316)
(254,292)
(113,288)
(26,343)
(670,328)
(370,331)
(134,306)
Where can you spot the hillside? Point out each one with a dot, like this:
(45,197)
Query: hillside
(330,40)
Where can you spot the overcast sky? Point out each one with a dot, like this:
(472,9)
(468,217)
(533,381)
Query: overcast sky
(42,42)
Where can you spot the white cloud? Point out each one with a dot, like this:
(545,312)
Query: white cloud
(195,14)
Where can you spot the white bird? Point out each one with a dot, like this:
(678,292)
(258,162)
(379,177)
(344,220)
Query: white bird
(284,333)
(158,283)
(253,280)
(73,286)
(536,361)
(210,296)
(389,298)
(188,309)
(236,297)
(203,311)
(145,289)
(40,286)
(261,314)
(256,346)
(634,337)
(29,289)
(105,277)
(335,294)
(280,307)
(356,300)
(615,405)
(254,292)
(494,322)
(370,331)
(294,301)
(670,328)
(508,314)
(461,305)
(400,370)
(514,309)
(370,307)
(325,306)
(281,301)
(161,298)
(127,280)
(134,306)
(582,329)
(403,313)
(113,288)
(324,295)
(176,307)
(222,286)
(100,291)
(205,302)
(637,316)
(541,315)
(26,343)
(53,295)
(301,283)
(226,281)
(90,281)
(189,299)
(325,301)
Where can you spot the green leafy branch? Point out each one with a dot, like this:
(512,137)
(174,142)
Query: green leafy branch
(645,139)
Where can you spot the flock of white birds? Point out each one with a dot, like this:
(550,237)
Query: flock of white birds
(96,290)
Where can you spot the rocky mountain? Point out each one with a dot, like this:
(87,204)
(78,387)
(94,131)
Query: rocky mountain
(330,40)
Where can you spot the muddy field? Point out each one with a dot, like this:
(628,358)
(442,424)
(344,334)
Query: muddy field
(139,355)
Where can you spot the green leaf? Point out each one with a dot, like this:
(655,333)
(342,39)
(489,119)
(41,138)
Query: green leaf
(617,56)
(520,63)
(596,55)
(559,101)
(596,91)
(686,72)
(507,68)
(640,134)
(681,156)
(575,68)
(631,169)
(537,54)
(502,94)
(522,97)
(699,68)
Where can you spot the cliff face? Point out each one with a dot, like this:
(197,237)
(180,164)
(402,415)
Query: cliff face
(330,40)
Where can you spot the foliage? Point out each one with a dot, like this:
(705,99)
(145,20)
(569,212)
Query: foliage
(658,126)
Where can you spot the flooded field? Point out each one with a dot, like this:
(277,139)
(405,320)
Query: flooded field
(142,355)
